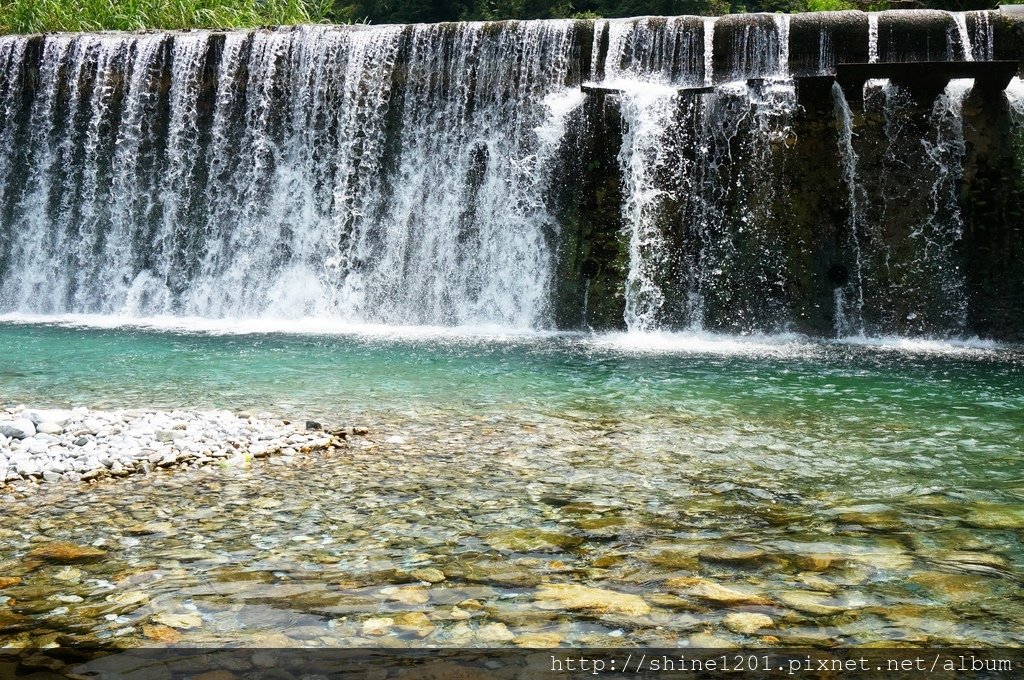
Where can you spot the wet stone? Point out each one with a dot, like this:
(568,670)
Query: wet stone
(530,540)
(377,626)
(179,621)
(710,591)
(66,553)
(417,623)
(161,633)
(997,517)
(816,562)
(670,601)
(735,553)
(810,602)
(577,597)
(538,640)
(492,633)
(428,574)
(495,572)
(747,623)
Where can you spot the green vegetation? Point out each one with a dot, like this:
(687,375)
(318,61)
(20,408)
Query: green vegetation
(33,16)
(405,11)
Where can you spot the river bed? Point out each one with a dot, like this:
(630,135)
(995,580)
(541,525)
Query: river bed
(532,490)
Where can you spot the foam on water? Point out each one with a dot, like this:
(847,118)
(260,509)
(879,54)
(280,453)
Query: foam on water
(779,345)
(283,326)
(963,346)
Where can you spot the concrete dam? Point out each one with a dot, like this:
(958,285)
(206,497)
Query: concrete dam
(839,174)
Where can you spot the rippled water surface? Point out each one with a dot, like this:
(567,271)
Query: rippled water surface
(850,493)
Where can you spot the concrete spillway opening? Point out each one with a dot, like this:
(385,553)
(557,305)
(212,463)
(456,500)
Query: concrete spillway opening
(924,78)
(928,77)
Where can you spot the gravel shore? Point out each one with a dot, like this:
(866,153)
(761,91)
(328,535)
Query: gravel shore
(80,444)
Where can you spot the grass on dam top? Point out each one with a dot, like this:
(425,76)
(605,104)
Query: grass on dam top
(45,16)
(41,16)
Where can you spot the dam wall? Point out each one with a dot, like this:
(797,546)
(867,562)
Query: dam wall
(657,173)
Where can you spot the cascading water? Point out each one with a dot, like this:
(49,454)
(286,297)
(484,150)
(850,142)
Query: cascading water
(1015,96)
(677,154)
(910,272)
(984,40)
(849,297)
(392,174)
(636,62)
(872,38)
(438,174)
(962,38)
(709,50)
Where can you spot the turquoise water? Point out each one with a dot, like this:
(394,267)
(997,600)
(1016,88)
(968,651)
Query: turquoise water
(751,378)
(625,463)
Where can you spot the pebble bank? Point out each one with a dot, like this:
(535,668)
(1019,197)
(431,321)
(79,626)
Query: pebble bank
(80,444)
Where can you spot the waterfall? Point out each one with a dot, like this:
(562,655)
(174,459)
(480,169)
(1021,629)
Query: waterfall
(944,226)
(387,174)
(1015,96)
(666,50)
(873,38)
(849,321)
(12,53)
(984,36)
(646,115)
(911,274)
(826,55)
(458,174)
(709,51)
(963,38)
(595,53)
(679,149)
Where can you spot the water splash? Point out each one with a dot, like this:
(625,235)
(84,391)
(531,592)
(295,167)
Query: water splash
(1015,96)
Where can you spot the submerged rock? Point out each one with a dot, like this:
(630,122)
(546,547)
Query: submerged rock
(996,517)
(414,622)
(747,623)
(817,561)
(494,633)
(531,540)
(537,640)
(429,575)
(161,633)
(957,588)
(810,602)
(495,572)
(704,589)
(732,552)
(377,626)
(66,553)
(180,621)
(576,597)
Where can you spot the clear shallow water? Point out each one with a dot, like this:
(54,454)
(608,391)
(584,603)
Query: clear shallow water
(853,492)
